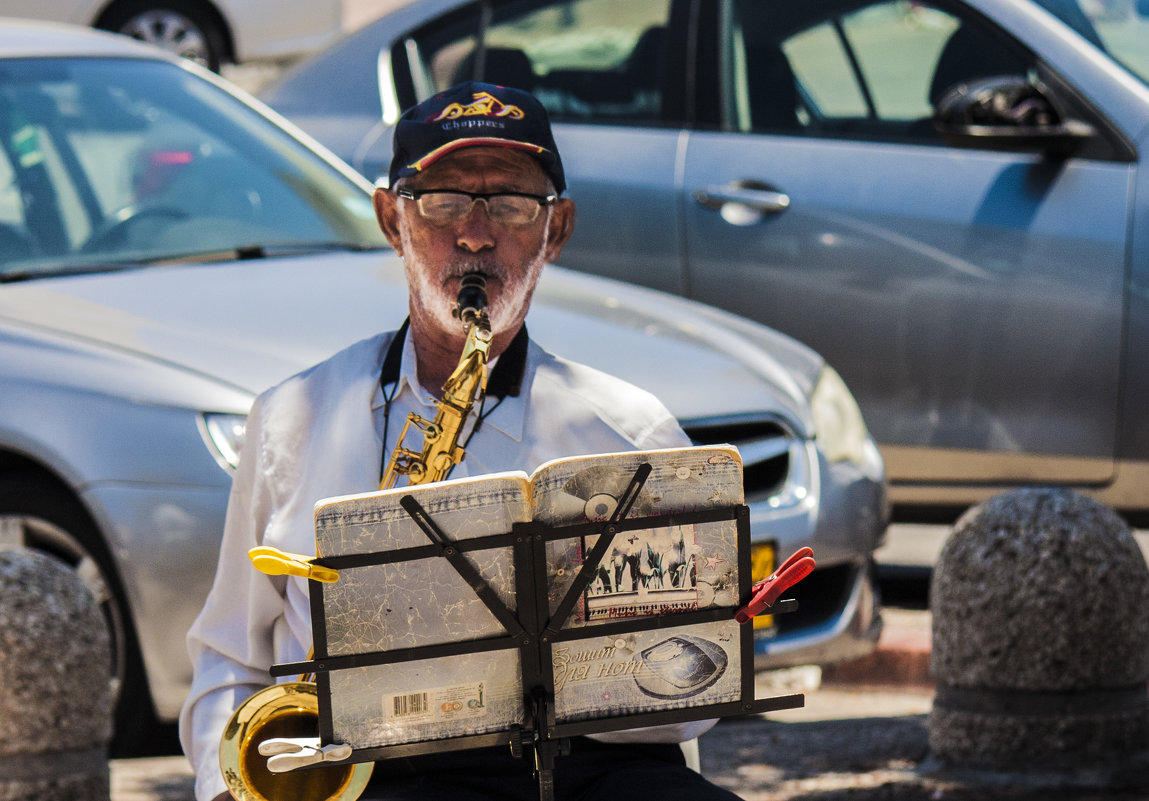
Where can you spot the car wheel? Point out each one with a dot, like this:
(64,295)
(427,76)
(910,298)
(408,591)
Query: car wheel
(178,26)
(44,518)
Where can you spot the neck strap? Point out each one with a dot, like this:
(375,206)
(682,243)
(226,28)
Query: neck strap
(506,379)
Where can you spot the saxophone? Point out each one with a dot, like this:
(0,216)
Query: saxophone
(466,386)
(291,710)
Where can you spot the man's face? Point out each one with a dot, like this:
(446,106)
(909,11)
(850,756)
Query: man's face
(509,257)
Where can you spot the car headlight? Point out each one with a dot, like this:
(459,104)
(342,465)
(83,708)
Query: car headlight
(223,434)
(840,430)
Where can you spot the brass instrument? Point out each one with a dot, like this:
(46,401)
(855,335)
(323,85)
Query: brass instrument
(466,385)
(282,710)
(291,710)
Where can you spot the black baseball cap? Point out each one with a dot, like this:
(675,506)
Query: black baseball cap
(474,114)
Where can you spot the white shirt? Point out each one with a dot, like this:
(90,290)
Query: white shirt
(320,434)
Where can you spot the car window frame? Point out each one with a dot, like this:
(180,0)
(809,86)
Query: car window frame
(678,97)
(1107,143)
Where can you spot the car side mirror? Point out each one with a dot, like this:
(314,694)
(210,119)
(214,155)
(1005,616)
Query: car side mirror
(1007,112)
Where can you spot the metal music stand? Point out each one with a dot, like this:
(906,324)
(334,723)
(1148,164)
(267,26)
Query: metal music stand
(562,641)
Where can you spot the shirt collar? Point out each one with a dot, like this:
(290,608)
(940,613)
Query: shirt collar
(505,381)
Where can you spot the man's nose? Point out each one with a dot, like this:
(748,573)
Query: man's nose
(476,231)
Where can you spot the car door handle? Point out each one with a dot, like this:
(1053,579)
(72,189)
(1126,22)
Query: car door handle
(752,195)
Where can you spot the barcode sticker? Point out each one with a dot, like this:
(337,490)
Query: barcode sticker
(404,706)
(438,704)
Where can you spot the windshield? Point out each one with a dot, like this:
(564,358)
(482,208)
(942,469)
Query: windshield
(106,163)
(1120,28)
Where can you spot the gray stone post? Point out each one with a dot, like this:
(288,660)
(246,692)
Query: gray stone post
(55,697)
(1040,603)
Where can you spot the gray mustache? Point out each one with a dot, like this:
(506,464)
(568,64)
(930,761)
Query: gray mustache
(484,267)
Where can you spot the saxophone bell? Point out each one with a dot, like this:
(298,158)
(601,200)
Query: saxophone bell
(289,710)
(282,710)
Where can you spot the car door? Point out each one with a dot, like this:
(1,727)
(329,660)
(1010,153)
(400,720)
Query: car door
(604,72)
(971,299)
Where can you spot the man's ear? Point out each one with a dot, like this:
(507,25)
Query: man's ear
(387,213)
(560,226)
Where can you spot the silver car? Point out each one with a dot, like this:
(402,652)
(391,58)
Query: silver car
(947,199)
(211,32)
(168,250)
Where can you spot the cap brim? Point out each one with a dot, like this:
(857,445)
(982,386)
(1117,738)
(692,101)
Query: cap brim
(478,141)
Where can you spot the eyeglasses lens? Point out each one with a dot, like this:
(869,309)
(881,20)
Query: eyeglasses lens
(446,207)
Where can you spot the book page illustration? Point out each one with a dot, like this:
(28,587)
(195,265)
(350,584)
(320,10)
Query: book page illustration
(647,671)
(651,571)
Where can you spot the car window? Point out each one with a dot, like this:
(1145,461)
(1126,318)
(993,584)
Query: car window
(862,69)
(824,56)
(586,60)
(1119,28)
(139,161)
(15,239)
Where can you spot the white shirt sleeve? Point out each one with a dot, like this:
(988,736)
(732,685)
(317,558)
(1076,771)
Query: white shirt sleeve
(231,643)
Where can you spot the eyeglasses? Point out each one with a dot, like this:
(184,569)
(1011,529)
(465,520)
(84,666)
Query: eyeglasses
(442,206)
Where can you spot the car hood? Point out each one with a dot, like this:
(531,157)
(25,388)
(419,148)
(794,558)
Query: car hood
(244,326)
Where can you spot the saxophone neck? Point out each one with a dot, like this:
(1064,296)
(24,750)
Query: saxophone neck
(468,382)
(464,388)
(478,337)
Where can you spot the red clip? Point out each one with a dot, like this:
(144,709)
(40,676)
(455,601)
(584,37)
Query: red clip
(766,592)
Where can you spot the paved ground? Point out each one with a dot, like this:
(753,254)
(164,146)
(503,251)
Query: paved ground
(862,736)
(784,755)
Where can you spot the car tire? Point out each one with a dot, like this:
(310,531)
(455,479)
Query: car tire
(183,27)
(45,518)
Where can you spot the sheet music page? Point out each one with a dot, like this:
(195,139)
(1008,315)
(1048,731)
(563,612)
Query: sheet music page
(421,602)
(645,572)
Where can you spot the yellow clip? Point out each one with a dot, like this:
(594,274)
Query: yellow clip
(275,562)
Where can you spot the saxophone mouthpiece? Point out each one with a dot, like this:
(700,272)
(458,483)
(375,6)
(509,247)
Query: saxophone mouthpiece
(472,299)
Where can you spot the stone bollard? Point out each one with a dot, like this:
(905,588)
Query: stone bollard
(55,698)
(1040,603)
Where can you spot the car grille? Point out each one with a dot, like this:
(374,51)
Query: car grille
(764,443)
(821,597)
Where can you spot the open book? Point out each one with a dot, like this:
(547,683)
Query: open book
(457,602)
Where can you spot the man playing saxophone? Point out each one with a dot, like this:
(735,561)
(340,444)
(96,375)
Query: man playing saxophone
(476,187)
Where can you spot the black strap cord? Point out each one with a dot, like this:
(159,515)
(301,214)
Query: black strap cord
(505,381)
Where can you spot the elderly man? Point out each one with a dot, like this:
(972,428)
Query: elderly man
(475,189)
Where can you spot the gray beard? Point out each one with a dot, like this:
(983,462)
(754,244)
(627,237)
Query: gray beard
(502,312)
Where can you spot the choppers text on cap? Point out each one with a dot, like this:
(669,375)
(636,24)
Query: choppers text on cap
(474,114)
